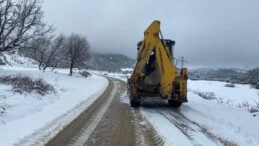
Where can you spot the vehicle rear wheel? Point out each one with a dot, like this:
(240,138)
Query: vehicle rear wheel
(134,104)
(174,103)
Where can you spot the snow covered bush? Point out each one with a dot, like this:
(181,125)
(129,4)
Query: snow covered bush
(230,85)
(2,108)
(3,105)
(205,95)
(85,74)
(254,109)
(253,77)
(250,108)
(25,84)
(2,62)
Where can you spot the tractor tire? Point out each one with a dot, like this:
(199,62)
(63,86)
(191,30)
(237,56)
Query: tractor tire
(134,104)
(174,103)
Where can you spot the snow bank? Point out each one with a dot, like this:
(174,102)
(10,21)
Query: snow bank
(231,95)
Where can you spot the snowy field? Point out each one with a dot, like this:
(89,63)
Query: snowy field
(27,115)
(214,115)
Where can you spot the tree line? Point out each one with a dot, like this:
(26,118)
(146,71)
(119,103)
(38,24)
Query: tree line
(253,77)
(22,28)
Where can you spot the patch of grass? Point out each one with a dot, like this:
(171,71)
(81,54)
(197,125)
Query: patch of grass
(254,109)
(205,95)
(250,108)
(3,105)
(243,105)
(25,84)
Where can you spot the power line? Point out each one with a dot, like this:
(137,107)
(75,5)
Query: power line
(241,39)
(226,52)
(236,49)
(233,42)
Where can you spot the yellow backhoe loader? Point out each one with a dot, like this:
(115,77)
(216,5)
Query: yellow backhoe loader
(155,73)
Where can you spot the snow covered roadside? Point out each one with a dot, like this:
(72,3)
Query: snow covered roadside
(226,115)
(31,118)
(214,115)
(120,76)
(195,121)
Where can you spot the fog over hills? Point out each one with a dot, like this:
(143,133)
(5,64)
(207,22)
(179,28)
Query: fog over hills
(218,74)
(110,62)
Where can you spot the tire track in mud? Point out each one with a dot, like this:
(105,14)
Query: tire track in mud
(147,135)
(85,123)
(150,136)
(206,131)
(203,129)
(188,127)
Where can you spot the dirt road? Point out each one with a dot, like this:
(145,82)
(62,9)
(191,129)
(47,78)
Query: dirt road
(108,121)
(111,121)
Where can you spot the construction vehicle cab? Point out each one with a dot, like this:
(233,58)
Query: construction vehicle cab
(155,73)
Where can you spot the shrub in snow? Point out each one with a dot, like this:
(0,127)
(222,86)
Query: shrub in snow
(254,109)
(253,77)
(257,85)
(250,108)
(2,108)
(85,74)
(244,105)
(21,84)
(2,62)
(230,85)
(205,95)
(3,105)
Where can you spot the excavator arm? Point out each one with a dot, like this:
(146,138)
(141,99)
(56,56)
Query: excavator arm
(167,72)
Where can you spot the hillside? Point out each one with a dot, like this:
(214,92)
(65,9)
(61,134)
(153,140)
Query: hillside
(104,62)
(109,62)
(218,74)
(14,58)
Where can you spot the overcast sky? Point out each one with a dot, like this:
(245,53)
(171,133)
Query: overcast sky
(208,33)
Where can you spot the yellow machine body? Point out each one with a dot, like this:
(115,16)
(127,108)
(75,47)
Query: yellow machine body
(162,78)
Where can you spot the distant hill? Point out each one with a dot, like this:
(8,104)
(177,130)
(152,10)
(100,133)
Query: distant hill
(109,62)
(218,74)
(118,63)
(105,62)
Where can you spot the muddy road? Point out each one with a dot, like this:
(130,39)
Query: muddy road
(111,121)
(108,121)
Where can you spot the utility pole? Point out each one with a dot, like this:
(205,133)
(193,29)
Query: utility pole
(181,59)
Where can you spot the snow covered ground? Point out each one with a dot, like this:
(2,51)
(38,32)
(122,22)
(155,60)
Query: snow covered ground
(214,115)
(30,117)
(15,59)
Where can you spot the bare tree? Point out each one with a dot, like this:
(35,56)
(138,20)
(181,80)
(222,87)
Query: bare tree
(19,22)
(39,48)
(55,52)
(78,50)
